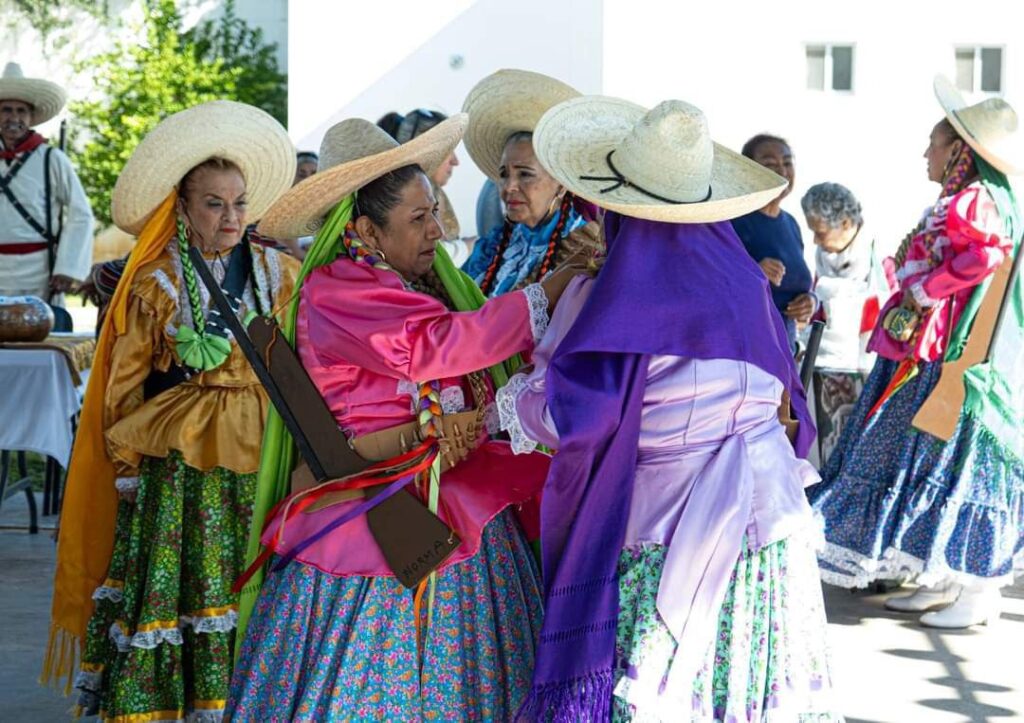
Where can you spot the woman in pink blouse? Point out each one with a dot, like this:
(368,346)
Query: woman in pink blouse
(334,634)
(899,502)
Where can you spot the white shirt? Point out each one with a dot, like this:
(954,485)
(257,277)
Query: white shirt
(29,273)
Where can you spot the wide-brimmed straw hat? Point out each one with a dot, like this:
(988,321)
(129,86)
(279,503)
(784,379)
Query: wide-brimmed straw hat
(989,127)
(45,97)
(353,153)
(507,102)
(658,164)
(248,137)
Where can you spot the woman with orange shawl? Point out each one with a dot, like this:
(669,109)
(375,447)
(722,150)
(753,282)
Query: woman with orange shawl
(162,478)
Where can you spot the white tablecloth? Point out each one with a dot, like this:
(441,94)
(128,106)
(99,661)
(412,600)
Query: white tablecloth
(37,402)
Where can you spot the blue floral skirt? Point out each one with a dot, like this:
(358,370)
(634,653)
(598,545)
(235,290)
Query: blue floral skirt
(322,648)
(894,501)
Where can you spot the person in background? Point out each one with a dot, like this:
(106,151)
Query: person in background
(896,500)
(772,238)
(847,284)
(544,223)
(403,128)
(489,212)
(45,218)
(305,166)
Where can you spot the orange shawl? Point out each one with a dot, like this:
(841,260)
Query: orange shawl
(90,500)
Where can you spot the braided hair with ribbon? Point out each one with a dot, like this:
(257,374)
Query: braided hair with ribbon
(960,170)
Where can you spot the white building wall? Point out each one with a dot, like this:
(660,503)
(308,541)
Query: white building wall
(744,64)
(366,59)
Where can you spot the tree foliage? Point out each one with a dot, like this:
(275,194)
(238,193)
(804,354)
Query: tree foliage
(48,16)
(140,82)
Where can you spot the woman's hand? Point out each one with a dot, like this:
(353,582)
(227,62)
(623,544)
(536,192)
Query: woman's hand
(801,308)
(773,269)
(559,279)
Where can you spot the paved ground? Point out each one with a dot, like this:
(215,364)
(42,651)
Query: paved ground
(887,669)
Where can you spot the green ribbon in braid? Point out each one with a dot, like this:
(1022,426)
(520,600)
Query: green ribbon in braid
(195,346)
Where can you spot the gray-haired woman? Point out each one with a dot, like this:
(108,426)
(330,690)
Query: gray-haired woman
(847,283)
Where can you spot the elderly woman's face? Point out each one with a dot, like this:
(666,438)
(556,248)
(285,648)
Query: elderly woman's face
(777,157)
(527,190)
(410,235)
(214,208)
(832,238)
(939,151)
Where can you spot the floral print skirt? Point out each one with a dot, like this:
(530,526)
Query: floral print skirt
(321,647)
(160,644)
(894,501)
(768,661)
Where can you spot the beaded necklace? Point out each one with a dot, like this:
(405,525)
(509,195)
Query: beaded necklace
(506,236)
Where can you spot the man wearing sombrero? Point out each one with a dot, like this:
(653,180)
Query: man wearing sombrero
(45,219)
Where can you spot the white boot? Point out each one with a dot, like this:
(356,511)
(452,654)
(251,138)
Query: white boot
(924,598)
(976,605)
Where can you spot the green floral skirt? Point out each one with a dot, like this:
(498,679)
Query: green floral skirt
(160,644)
(768,661)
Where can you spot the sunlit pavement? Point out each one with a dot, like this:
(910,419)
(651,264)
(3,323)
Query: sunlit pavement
(887,669)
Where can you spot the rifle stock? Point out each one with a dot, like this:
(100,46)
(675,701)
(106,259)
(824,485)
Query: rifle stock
(939,414)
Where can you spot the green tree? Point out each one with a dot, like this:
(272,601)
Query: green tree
(48,16)
(137,84)
(230,38)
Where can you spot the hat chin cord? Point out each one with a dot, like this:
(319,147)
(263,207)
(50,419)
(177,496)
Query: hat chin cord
(620,181)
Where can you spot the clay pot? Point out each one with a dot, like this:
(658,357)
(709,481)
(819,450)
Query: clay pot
(24,318)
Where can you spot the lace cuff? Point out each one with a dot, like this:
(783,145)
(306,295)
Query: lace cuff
(126,484)
(508,416)
(538,302)
(921,296)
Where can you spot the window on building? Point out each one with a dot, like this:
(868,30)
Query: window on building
(979,69)
(830,67)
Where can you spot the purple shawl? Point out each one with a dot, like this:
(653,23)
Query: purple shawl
(688,290)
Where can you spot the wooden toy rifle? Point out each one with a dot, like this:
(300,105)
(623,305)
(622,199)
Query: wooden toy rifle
(940,412)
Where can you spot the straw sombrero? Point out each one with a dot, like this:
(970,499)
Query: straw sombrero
(989,127)
(504,103)
(353,153)
(659,164)
(45,97)
(247,136)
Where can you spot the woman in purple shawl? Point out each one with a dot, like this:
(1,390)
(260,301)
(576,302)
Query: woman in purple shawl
(679,579)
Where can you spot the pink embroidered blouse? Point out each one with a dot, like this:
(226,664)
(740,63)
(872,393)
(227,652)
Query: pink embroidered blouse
(942,269)
(366,341)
